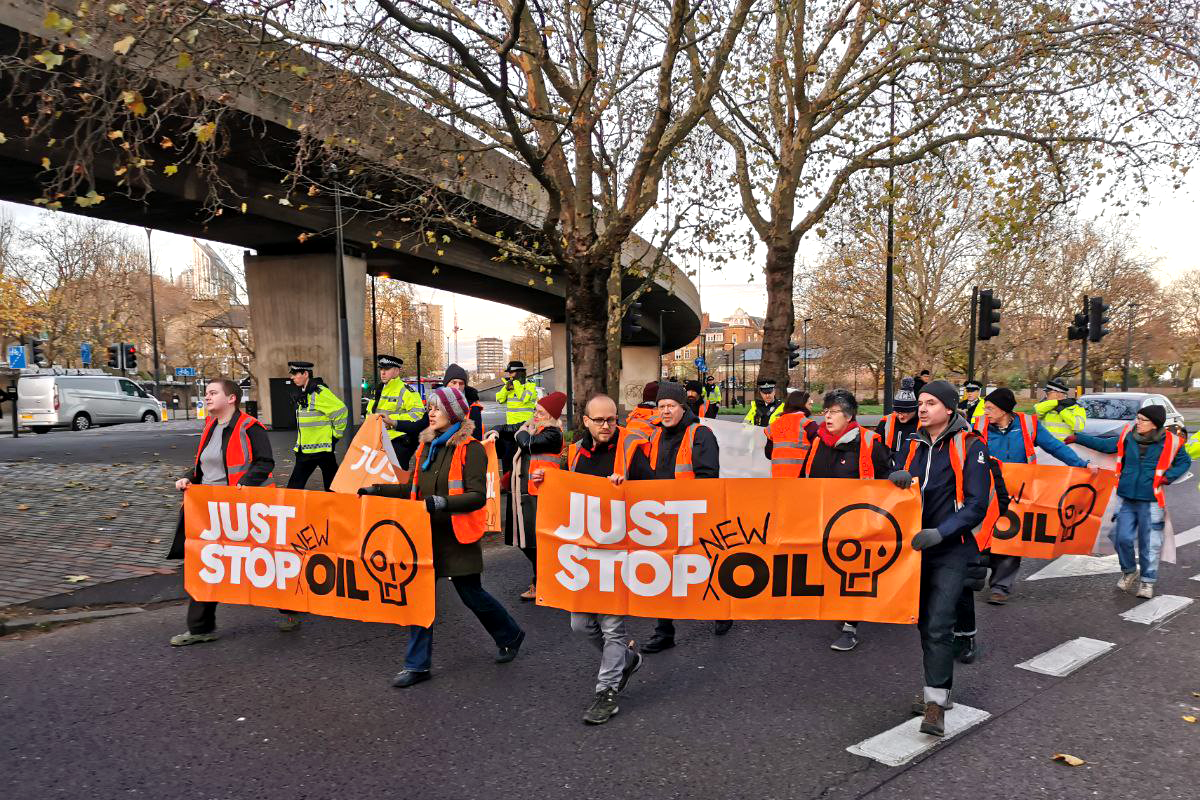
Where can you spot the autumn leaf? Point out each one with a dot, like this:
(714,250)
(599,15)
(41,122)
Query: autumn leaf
(134,102)
(114,135)
(89,199)
(57,22)
(304,237)
(117,8)
(204,133)
(3,138)
(45,163)
(166,143)
(184,61)
(170,169)
(1188,718)
(283,201)
(1067,758)
(22,507)
(243,208)
(299,70)
(121,46)
(77,578)
(49,59)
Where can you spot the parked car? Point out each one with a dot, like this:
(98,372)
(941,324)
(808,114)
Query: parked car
(1109,412)
(81,402)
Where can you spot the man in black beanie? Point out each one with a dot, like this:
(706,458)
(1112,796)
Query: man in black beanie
(950,513)
(897,429)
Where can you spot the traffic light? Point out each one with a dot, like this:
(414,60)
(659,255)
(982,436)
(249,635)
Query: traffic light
(1079,329)
(37,352)
(129,352)
(1097,319)
(114,356)
(633,320)
(989,315)
(794,356)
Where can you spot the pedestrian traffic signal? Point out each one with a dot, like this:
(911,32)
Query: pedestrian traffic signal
(114,356)
(1078,330)
(989,315)
(794,356)
(1097,319)
(129,353)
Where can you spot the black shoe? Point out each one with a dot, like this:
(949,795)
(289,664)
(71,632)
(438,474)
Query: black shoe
(603,707)
(509,652)
(410,677)
(630,668)
(934,721)
(847,641)
(658,643)
(918,705)
(965,649)
(722,627)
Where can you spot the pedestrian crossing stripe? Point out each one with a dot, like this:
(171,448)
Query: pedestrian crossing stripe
(1158,609)
(1067,657)
(905,742)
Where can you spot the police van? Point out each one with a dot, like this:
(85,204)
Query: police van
(81,401)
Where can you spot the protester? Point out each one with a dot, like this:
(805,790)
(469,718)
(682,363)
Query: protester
(537,446)
(764,408)
(321,419)
(971,405)
(789,436)
(898,427)
(680,448)
(844,449)
(1011,437)
(234,451)
(1148,458)
(920,380)
(697,400)
(456,378)
(1061,415)
(449,474)
(607,451)
(643,417)
(943,448)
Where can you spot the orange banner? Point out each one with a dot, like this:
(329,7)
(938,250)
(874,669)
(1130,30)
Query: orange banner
(746,548)
(1055,511)
(366,558)
(494,522)
(370,459)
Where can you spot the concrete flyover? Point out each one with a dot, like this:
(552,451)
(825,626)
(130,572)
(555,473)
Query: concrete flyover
(291,280)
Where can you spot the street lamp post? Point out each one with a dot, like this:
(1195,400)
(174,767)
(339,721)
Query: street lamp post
(889,302)
(806,321)
(343,324)
(374,338)
(153,315)
(1133,307)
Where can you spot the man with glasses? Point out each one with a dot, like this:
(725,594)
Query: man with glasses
(607,450)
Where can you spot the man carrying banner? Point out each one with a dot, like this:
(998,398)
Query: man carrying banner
(898,427)
(234,451)
(1011,438)
(845,449)
(643,417)
(449,475)
(950,464)
(680,448)
(607,451)
(1148,458)
(790,436)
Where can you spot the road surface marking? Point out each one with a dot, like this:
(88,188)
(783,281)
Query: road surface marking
(1157,609)
(1076,566)
(1067,657)
(905,742)
(1187,537)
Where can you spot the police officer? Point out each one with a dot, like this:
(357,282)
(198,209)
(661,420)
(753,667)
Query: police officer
(1061,415)
(765,408)
(395,399)
(518,394)
(712,392)
(971,405)
(321,420)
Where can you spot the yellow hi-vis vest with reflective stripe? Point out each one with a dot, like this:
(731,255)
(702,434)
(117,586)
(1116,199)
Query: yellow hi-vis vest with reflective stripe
(520,401)
(397,401)
(1061,424)
(320,418)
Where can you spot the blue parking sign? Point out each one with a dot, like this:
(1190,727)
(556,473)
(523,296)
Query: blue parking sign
(700,365)
(85,354)
(16,356)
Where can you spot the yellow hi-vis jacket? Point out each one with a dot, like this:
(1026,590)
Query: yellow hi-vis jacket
(520,400)
(397,401)
(1061,424)
(321,417)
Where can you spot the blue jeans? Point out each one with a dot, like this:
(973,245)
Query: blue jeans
(491,614)
(1140,522)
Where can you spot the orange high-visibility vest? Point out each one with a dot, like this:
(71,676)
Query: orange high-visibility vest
(642,420)
(958,458)
(468,525)
(627,443)
(238,456)
(789,444)
(866,467)
(684,470)
(1028,423)
(1171,445)
(543,461)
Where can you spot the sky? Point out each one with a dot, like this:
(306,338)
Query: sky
(1165,231)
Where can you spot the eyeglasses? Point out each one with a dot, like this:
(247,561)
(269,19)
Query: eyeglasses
(603,422)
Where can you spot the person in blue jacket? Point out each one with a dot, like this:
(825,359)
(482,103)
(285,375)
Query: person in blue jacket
(1148,458)
(1011,438)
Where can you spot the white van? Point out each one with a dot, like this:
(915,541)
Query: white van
(81,402)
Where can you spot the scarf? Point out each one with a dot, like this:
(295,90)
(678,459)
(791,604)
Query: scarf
(831,439)
(440,440)
(1144,441)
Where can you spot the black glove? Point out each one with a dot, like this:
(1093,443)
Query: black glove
(976,576)
(435,503)
(369,490)
(925,538)
(902,478)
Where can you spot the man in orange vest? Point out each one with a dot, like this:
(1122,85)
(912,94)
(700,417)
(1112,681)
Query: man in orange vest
(845,449)
(897,428)
(697,399)
(642,418)
(680,449)
(234,451)
(607,451)
(789,436)
(1148,458)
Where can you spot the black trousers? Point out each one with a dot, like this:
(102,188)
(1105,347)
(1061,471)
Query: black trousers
(202,615)
(943,575)
(531,554)
(306,465)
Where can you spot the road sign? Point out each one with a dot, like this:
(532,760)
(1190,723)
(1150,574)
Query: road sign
(85,354)
(16,356)
(185,372)
(700,365)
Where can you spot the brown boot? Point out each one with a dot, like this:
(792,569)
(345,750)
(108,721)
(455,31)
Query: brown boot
(934,721)
(530,593)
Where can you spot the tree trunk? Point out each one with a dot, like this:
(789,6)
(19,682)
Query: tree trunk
(587,327)
(780,322)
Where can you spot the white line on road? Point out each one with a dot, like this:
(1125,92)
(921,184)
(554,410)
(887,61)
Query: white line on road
(1157,609)
(1067,657)
(1076,566)
(905,742)
(1188,536)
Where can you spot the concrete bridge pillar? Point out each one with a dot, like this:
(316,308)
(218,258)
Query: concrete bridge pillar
(639,365)
(294,315)
(558,350)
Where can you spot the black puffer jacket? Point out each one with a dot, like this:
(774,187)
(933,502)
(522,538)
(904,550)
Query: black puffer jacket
(841,460)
